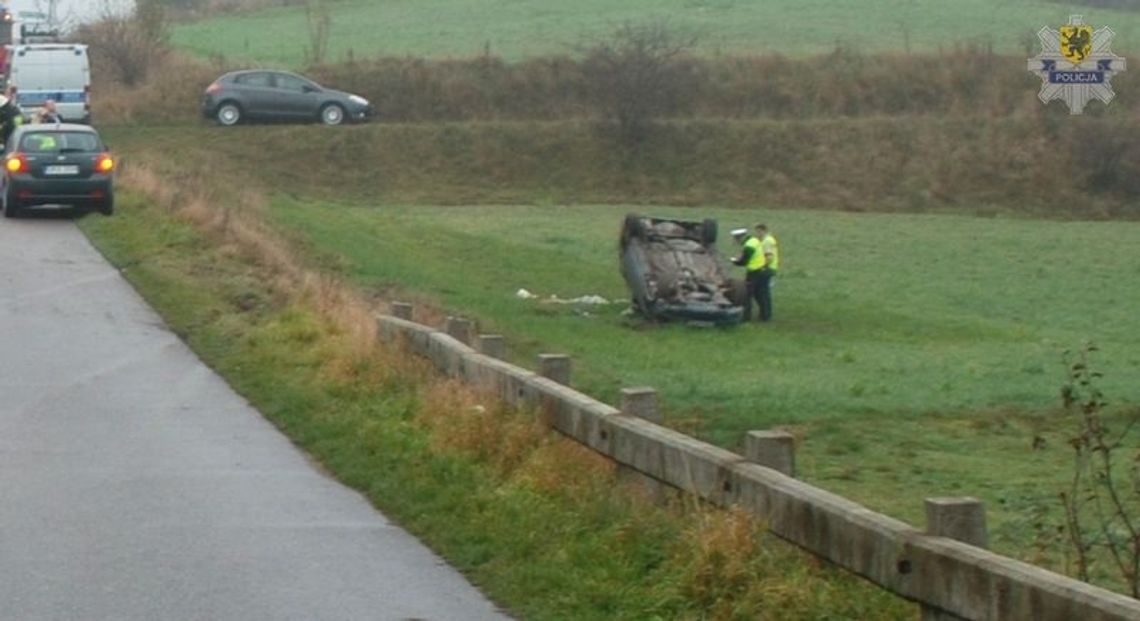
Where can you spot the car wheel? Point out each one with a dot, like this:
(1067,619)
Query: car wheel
(229,113)
(708,232)
(108,208)
(633,228)
(332,114)
(11,205)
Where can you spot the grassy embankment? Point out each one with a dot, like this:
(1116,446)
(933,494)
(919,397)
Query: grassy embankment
(915,355)
(539,524)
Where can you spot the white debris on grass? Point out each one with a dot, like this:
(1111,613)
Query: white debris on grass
(585,300)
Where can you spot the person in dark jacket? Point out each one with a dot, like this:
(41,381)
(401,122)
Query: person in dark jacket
(10,118)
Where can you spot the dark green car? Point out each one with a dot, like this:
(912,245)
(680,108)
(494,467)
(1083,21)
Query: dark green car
(57,164)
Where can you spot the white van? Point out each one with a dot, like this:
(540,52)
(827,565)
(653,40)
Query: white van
(58,71)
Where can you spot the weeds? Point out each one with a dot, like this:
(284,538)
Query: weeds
(1102,502)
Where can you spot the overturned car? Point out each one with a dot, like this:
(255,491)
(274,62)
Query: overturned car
(674,273)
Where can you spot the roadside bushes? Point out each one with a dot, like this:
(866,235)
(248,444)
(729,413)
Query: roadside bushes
(638,80)
(128,46)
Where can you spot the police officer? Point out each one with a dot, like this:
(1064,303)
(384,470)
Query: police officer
(751,257)
(770,248)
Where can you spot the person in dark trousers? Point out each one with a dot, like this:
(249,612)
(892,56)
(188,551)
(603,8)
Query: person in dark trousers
(770,248)
(10,118)
(751,258)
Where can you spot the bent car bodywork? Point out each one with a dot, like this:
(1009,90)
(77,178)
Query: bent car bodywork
(674,273)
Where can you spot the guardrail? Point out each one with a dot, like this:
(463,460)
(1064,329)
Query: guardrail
(944,568)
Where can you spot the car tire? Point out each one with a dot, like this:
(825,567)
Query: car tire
(108,208)
(11,206)
(228,114)
(634,227)
(332,114)
(708,232)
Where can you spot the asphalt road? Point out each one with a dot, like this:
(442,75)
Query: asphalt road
(135,484)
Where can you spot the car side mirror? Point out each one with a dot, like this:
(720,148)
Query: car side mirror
(311,89)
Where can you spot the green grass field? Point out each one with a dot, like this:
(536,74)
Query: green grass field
(517,29)
(916,355)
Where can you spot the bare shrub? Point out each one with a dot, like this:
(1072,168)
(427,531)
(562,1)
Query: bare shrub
(128,46)
(319,21)
(642,73)
(1102,502)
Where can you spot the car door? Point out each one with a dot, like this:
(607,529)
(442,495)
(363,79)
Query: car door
(298,98)
(256,94)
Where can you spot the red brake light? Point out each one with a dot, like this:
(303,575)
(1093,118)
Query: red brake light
(213,88)
(16,163)
(104,163)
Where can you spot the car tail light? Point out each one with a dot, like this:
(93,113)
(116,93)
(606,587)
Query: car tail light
(104,163)
(16,163)
(213,88)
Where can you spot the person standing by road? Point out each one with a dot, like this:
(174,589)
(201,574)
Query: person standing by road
(751,257)
(48,113)
(10,118)
(770,248)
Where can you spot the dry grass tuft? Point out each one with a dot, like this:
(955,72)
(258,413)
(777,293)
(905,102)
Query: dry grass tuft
(721,552)
(462,419)
(560,466)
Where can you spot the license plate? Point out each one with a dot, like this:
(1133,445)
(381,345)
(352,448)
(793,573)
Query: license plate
(61,169)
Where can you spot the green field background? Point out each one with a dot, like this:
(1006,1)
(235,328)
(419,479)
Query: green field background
(913,355)
(516,29)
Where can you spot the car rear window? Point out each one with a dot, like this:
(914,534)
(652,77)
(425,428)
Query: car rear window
(40,142)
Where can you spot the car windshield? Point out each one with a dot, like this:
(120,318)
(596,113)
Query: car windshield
(54,141)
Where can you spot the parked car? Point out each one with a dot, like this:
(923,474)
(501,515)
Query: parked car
(673,271)
(265,95)
(57,164)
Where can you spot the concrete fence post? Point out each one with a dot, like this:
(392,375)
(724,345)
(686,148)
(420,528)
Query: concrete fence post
(555,367)
(493,345)
(772,449)
(642,403)
(962,519)
(403,310)
(459,329)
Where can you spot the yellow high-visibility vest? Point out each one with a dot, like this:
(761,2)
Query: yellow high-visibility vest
(757,260)
(773,246)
